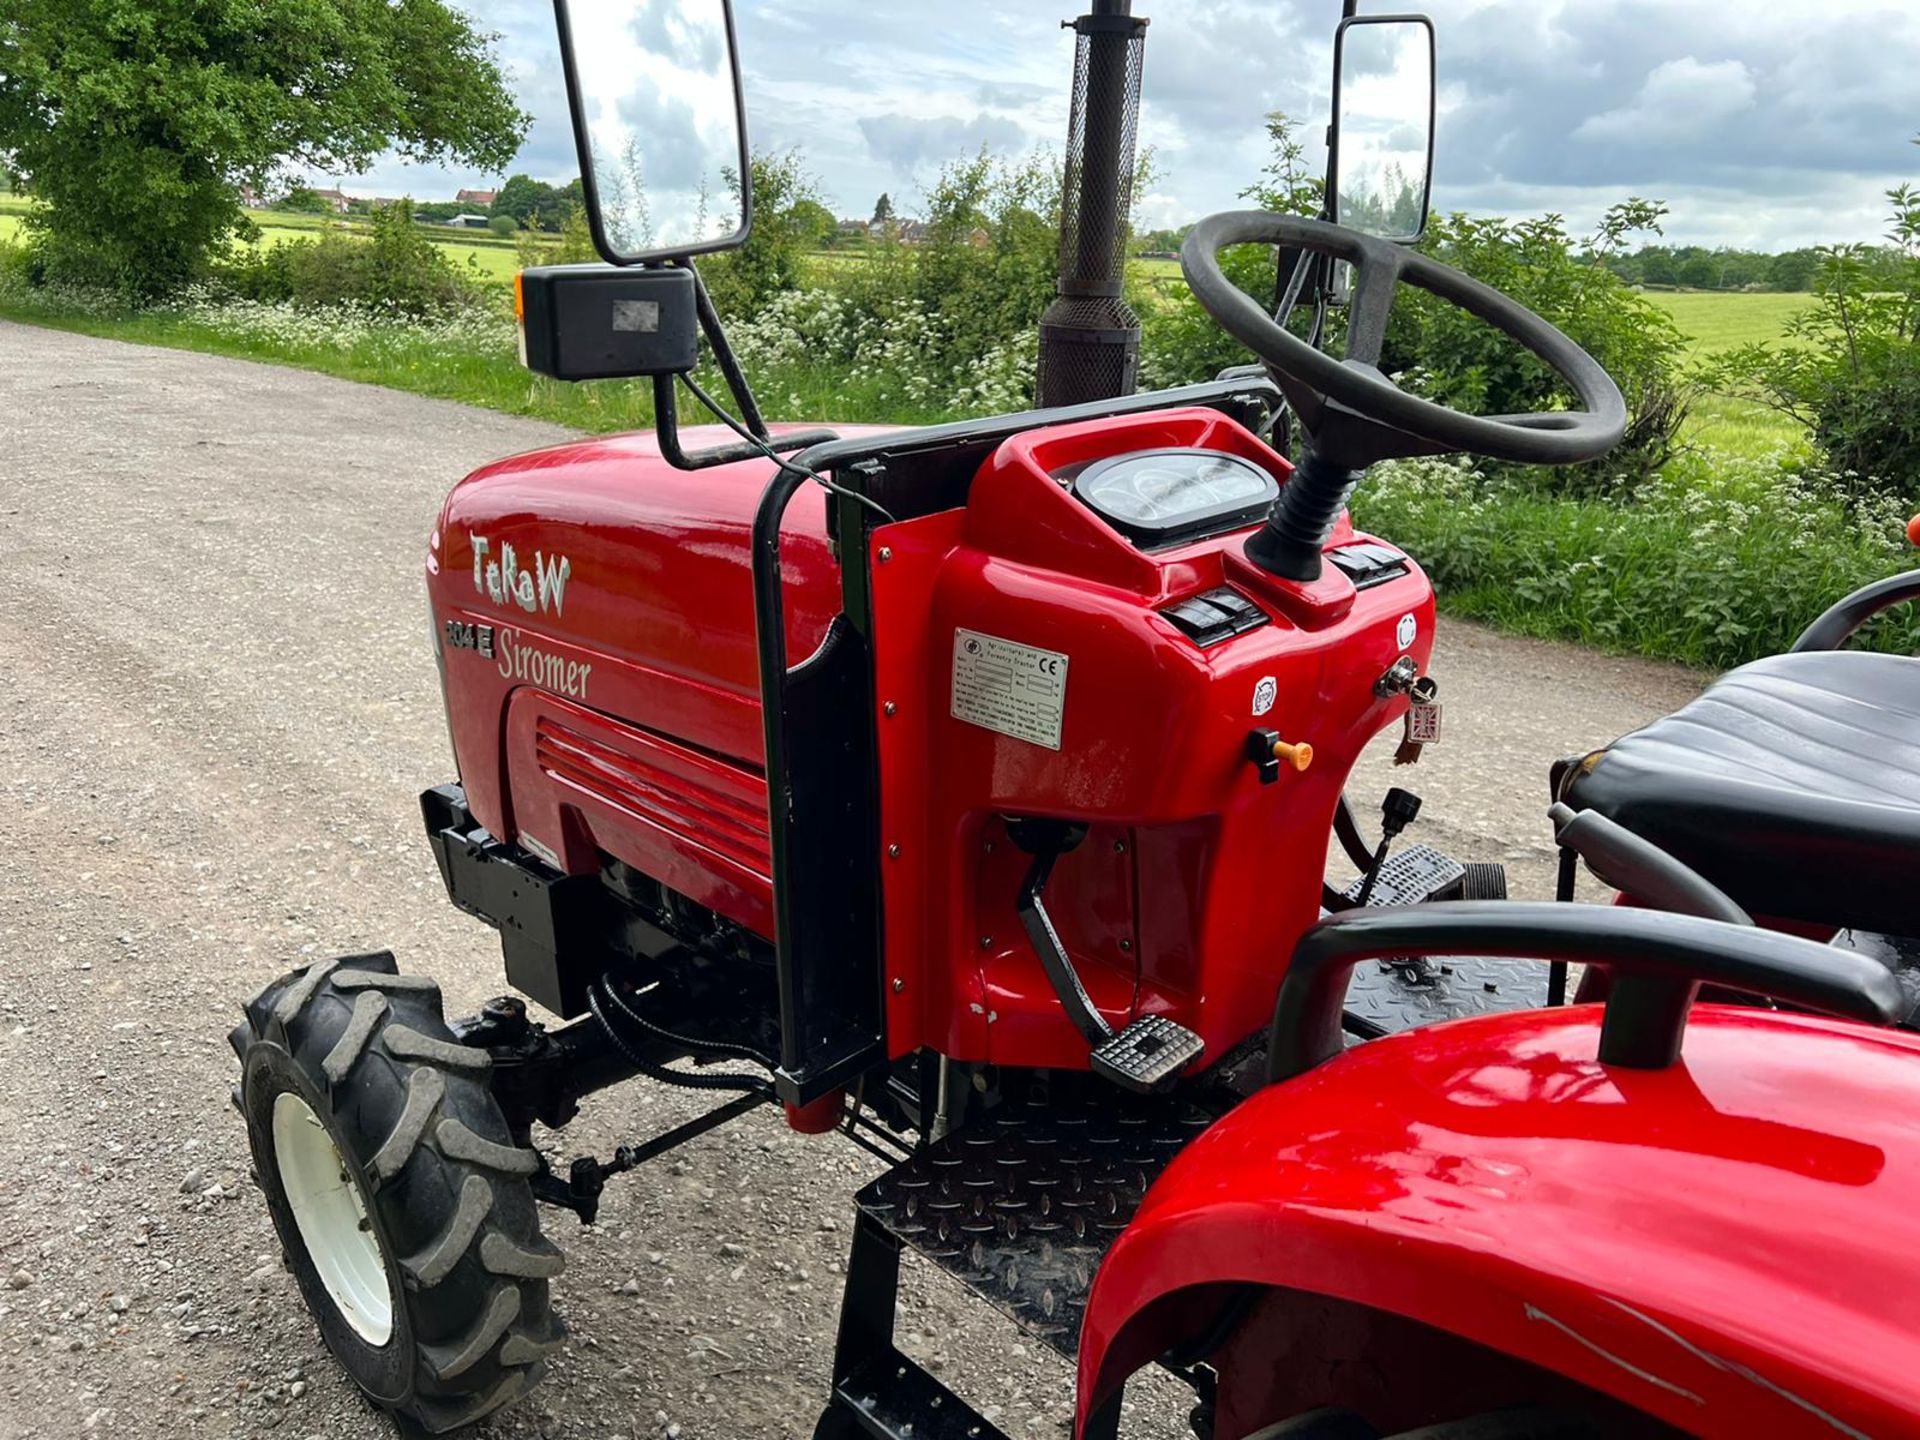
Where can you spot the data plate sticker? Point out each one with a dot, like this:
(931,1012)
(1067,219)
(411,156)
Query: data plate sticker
(1014,689)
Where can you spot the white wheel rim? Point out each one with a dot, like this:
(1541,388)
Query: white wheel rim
(332,1218)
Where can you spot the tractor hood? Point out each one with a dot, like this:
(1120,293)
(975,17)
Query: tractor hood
(602,544)
(599,575)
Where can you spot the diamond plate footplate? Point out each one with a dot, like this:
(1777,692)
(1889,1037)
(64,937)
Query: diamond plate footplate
(1900,954)
(1022,1206)
(1390,996)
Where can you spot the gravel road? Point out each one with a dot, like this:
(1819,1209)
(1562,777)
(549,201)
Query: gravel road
(217,704)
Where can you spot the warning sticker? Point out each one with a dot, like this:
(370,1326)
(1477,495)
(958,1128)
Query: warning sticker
(1014,689)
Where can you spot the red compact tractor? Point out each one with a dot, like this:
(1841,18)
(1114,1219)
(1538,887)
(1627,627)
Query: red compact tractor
(967,791)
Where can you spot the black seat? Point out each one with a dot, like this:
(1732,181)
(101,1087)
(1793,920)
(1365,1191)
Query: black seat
(1792,783)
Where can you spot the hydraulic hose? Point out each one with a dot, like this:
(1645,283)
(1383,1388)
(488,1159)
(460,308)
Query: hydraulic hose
(600,997)
(725,1049)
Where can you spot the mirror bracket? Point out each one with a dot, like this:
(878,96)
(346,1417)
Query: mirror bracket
(666,409)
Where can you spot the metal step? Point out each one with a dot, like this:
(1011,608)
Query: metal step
(1022,1205)
(1416,873)
(893,1398)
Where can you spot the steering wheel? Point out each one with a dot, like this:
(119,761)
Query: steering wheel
(1353,414)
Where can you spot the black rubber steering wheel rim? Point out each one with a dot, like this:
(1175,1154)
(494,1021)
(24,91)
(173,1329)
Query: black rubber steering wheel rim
(1355,383)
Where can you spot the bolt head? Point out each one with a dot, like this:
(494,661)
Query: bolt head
(893,852)
(890,708)
(886,553)
(898,985)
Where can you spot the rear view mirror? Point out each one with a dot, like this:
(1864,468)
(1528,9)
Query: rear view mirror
(658,119)
(1380,165)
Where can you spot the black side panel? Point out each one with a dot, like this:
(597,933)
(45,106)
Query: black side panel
(554,929)
(831,1016)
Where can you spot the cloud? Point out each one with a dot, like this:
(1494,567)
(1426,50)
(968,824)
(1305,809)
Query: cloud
(911,145)
(1780,130)
(1681,100)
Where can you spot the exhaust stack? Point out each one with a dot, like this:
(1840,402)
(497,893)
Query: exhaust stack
(1090,337)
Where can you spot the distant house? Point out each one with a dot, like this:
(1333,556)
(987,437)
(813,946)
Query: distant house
(479,199)
(336,201)
(468,221)
(854,230)
(249,197)
(911,232)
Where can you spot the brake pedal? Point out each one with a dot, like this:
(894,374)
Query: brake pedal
(1484,880)
(1417,873)
(1149,1053)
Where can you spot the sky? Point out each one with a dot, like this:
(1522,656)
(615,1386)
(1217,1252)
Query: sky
(1761,123)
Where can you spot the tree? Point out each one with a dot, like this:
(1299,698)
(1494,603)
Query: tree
(785,195)
(815,223)
(883,211)
(137,122)
(533,203)
(1446,354)
(1700,272)
(303,200)
(1794,270)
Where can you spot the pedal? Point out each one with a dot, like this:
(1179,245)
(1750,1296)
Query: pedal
(1484,880)
(1416,873)
(1149,1053)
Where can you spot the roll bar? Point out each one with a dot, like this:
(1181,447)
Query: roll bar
(1307,1014)
(1837,624)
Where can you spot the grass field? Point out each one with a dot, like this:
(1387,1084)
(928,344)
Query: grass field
(493,258)
(494,262)
(1713,321)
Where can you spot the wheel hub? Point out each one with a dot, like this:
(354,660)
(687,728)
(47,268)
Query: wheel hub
(332,1218)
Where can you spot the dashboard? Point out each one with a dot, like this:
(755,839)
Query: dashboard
(1158,498)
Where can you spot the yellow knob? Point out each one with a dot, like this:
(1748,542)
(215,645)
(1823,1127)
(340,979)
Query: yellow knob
(1299,756)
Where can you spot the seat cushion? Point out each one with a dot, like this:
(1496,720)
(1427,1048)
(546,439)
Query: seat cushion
(1792,783)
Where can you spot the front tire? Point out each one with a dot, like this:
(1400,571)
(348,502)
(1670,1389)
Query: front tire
(398,1192)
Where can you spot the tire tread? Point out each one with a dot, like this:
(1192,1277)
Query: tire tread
(377,1017)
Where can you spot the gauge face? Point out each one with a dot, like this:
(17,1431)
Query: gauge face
(1164,497)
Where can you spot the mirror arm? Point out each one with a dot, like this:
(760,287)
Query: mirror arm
(724,357)
(666,420)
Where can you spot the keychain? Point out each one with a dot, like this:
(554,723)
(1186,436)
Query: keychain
(1423,721)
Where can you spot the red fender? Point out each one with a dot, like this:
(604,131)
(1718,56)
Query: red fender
(1729,1244)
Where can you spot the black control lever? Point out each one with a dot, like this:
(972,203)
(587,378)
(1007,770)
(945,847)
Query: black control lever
(1637,867)
(1397,811)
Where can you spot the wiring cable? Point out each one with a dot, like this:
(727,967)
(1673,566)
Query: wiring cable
(720,414)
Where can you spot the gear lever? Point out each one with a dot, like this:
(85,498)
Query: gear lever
(1397,812)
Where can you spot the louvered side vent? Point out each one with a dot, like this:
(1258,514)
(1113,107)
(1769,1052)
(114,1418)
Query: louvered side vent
(681,791)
